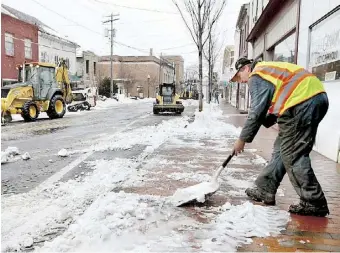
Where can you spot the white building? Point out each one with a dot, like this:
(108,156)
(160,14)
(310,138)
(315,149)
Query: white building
(53,47)
(319,51)
(306,32)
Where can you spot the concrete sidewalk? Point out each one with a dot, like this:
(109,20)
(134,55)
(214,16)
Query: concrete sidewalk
(185,161)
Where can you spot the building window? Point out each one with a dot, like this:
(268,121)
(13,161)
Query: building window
(56,59)
(9,44)
(43,57)
(324,54)
(94,68)
(87,66)
(28,49)
(285,51)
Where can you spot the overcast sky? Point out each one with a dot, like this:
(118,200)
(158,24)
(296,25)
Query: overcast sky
(161,29)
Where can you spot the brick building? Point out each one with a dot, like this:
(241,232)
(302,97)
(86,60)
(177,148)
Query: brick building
(137,74)
(18,44)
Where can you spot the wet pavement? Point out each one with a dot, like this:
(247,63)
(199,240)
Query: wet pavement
(202,157)
(304,233)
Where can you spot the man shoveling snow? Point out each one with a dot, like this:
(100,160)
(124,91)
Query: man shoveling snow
(296,99)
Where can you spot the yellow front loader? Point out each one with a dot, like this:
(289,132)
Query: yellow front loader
(42,87)
(167,100)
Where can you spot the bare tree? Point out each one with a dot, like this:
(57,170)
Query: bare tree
(204,14)
(211,54)
(128,76)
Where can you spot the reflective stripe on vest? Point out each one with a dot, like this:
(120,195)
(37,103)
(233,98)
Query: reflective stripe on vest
(293,84)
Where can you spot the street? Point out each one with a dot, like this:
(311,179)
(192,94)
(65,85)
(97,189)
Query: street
(76,133)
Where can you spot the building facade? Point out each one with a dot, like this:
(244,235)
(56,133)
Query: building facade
(19,43)
(227,71)
(52,48)
(137,75)
(87,68)
(239,94)
(179,68)
(51,45)
(305,32)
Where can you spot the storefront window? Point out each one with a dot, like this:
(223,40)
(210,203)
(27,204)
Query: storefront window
(285,51)
(324,55)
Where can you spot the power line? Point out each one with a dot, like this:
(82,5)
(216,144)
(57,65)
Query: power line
(89,29)
(136,8)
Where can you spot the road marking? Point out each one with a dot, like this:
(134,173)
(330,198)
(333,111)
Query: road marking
(58,175)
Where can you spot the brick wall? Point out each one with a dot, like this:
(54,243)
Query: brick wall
(21,31)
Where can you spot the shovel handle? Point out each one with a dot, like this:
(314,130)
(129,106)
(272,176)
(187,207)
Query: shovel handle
(218,172)
(224,164)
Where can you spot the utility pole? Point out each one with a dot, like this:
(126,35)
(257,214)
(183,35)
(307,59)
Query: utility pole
(160,65)
(112,35)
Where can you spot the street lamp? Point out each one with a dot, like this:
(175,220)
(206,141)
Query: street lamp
(148,85)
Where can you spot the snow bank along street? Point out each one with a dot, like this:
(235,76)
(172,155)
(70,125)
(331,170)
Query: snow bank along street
(121,184)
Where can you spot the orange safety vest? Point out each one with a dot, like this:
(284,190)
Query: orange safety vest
(293,84)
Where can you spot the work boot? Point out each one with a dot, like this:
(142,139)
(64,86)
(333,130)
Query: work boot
(261,196)
(319,209)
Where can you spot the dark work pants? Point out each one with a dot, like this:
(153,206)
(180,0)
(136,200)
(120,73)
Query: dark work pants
(297,131)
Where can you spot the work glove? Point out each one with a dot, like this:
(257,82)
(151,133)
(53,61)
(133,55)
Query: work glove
(269,121)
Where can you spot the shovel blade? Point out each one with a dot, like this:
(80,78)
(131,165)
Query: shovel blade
(195,193)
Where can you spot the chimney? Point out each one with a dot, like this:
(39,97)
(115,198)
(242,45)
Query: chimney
(151,52)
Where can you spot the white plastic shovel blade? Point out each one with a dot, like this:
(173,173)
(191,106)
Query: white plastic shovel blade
(196,192)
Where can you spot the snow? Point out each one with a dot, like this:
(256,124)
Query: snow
(43,210)
(63,153)
(196,192)
(122,100)
(242,222)
(189,176)
(26,156)
(9,154)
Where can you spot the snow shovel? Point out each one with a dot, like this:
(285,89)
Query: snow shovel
(199,192)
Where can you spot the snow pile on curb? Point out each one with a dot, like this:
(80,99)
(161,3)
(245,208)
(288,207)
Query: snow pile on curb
(110,102)
(239,223)
(207,123)
(147,135)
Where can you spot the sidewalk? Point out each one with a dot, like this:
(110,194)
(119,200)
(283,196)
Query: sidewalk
(186,161)
(303,233)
